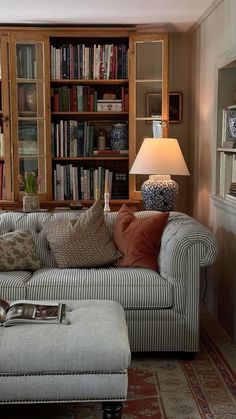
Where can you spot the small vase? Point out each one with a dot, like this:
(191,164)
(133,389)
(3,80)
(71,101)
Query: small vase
(119,137)
(31,202)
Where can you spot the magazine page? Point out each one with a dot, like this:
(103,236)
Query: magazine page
(4,305)
(33,312)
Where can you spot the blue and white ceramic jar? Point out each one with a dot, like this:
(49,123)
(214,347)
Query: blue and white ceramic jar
(119,137)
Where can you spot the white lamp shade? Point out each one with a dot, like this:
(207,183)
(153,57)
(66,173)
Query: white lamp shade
(160,156)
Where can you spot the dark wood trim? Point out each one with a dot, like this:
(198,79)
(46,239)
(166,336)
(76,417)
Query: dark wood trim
(115,204)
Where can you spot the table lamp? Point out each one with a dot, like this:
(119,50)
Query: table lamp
(160,158)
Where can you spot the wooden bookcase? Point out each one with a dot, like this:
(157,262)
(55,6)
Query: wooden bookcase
(56,79)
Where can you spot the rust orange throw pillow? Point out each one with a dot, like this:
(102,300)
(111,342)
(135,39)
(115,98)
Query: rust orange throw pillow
(139,239)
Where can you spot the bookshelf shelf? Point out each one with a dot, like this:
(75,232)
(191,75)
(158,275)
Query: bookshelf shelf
(94,114)
(90,81)
(102,158)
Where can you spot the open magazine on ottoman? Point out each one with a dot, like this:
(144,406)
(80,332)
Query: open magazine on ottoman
(26,311)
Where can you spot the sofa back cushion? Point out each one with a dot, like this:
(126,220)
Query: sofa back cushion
(139,239)
(11,221)
(83,241)
(17,252)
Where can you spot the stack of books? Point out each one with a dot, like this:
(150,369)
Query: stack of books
(232,192)
(232,189)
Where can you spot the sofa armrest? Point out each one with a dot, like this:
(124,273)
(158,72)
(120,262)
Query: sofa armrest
(185,247)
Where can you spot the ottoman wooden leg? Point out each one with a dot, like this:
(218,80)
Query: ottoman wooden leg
(112,410)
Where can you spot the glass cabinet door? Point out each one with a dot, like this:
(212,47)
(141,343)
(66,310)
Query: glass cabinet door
(30,128)
(148,95)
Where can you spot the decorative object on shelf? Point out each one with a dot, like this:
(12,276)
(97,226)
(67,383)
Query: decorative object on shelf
(232,126)
(119,137)
(31,202)
(76,206)
(229,124)
(106,197)
(29,183)
(109,96)
(30,99)
(159,158)
(109,105)
(106,202)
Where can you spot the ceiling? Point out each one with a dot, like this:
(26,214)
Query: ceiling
(170,15)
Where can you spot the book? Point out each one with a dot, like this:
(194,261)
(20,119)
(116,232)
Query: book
(27,311)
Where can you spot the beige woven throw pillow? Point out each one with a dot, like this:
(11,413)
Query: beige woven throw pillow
(83,242)
(17,252)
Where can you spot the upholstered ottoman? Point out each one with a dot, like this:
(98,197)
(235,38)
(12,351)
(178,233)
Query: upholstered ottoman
(85,360)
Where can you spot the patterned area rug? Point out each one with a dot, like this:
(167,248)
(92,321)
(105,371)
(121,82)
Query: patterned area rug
(162,386)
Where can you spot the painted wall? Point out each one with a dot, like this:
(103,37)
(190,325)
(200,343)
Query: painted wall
(179,60)
(212,40)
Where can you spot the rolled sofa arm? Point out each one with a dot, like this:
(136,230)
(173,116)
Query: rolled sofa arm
(185,247)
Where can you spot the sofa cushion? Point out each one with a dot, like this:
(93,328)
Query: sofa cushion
(83,241)
(13,284)
(134,288)
(17,252)
(139,239)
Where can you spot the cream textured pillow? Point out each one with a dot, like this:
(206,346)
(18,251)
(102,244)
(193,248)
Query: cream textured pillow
(17,252)
(83,242)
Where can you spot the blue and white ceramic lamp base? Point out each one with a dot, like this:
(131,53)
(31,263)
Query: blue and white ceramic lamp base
(159,193)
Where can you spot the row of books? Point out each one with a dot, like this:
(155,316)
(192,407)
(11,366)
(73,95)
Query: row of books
(72,139)
(232,188)
(78,183)
(79,61)
(26,61)
(77,98)
(231,196)
(77,139)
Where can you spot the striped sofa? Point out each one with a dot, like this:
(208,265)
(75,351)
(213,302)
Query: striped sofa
(162,309)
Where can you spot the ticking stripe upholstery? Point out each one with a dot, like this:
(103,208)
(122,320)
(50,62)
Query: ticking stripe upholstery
(85,359)
(13,284)
(132,287)
(162,310)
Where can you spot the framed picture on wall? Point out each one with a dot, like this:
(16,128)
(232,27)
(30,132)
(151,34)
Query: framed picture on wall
(175,107)
(154,107)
